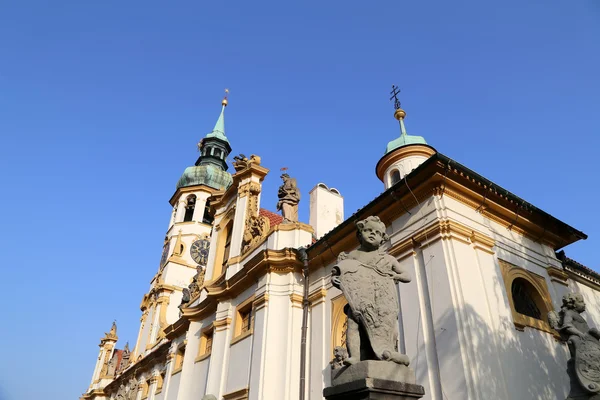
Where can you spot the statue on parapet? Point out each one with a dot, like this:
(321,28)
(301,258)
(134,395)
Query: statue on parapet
(289,197)
(367,276)
(584,366)
(241,162)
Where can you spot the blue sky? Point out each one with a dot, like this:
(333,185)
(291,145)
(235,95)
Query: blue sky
(102,103)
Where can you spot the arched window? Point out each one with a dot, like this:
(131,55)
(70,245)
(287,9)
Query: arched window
(218,153)
(394,177)
(524,296)
(208,217)
(189,208)
(528,297)
(227,247)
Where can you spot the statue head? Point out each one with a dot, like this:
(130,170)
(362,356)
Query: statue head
(371,232)
(574,301)
(285,177)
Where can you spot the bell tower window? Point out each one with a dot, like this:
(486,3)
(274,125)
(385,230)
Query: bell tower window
(208,217)
(189,208)
(394,177)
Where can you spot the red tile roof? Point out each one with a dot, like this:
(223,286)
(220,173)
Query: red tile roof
(274,219)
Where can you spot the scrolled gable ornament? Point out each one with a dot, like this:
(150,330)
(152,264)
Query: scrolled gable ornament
(367,277)
(584,346)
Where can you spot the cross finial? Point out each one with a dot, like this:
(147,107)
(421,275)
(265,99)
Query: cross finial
(395,91)
(224,102)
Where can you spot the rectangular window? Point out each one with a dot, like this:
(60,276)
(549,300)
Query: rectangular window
(206,343)
(227,246)
(244,321)
(179,359)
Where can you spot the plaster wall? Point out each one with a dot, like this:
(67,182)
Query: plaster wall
(238,374)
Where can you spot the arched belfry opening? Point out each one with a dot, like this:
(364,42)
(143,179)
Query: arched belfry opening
(189,208)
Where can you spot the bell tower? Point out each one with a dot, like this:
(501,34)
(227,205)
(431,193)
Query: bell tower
(404,154)
(187,241)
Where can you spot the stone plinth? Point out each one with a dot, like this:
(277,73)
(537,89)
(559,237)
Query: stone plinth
(376,380)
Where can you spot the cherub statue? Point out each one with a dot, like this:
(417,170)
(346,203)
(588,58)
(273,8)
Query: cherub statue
(340,355)
(367,276)
(584,366)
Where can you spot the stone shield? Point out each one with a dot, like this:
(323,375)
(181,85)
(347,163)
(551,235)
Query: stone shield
(373,299)
(587,363)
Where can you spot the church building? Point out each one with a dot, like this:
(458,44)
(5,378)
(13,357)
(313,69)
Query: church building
(242,305)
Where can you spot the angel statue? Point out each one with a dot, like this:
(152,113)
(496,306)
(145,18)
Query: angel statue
(367,276)
(584,366)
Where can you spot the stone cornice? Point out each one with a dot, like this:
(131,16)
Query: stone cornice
(278,261)
(440,176)
(396,155)
(189,189)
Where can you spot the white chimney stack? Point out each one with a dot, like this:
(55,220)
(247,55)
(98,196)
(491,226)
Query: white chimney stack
(326,209)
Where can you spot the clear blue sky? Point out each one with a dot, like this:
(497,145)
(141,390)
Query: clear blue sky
(102,103)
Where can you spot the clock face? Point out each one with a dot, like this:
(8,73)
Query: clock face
(165,255)
(199,251)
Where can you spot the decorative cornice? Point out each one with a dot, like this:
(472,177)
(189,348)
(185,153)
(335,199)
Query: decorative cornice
(261,300)
(222,324)
(241,394)
(176,329)
(558,276)
(391,158)
(189,189)
(278,261)
(296,299)
(318,296)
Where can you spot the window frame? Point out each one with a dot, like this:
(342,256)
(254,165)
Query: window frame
(205,334)
(179,357)
(244,308)
(510,273)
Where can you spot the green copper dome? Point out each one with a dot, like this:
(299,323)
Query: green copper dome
(405,139)
(206,174)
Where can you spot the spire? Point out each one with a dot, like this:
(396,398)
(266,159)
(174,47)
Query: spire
(404,139)
(219,129)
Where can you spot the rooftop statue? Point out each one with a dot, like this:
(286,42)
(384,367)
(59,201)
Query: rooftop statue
(584,366)
(367,276)
(289,197)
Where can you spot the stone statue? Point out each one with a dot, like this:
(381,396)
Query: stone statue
(185,298)
(241,162)
(133,389)
(367,277)
(125,358)
(193,288)
(289,197)
(584,366)
(257,226)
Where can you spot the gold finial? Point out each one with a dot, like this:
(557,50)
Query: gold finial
(224,102)
(399,114)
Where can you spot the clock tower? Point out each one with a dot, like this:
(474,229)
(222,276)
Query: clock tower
(187,241)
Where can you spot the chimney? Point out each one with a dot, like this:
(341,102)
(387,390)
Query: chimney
(326,209)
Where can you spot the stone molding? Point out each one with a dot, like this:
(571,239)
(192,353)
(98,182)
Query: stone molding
(241,394)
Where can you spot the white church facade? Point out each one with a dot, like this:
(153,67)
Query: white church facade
(234,310)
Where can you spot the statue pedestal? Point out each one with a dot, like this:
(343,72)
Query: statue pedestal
(376,380)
